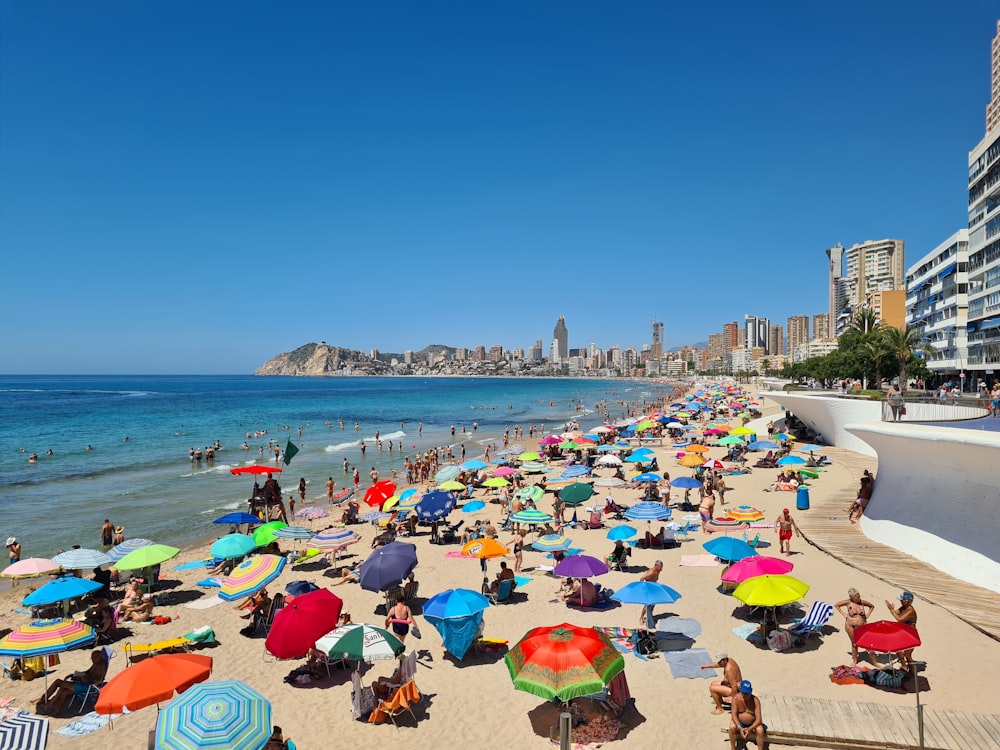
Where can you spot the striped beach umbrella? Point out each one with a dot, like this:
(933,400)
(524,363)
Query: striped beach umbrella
(745,513)
(533,467)
(215,716)
(532,492)
(43,637)
(129,545)
(311,513)
(360,642)
(552,543)
(80,559)
(577,470)
(447,473)
(374,516)
(250,576)
(530,516)
(24,731)
(647,511)
(333,539)
(294,532)
(609,482)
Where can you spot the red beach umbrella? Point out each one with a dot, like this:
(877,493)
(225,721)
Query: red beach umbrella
(886,636)
(255,469)
(379,492)
(301,622)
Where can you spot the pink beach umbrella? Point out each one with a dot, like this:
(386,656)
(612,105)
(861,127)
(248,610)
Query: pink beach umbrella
(30,567)
(504,471)
(751,567)
(550,440)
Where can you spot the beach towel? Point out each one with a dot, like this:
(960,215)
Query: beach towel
(193,564)
(622,639)
(688,663)
(210,583)
(698,561)
(678,627)
(205,603)
(457,553)
(86,724)
(520,581)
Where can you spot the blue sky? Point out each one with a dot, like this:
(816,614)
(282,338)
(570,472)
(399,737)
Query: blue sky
(193,187)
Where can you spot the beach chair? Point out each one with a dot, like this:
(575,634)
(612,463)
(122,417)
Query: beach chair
(620,562)
(93,689)
(109,635)
(401,700)
(503,592)
(596,520)
(134,650)
(265,621)
(450,534)
(319,659)
(819,614)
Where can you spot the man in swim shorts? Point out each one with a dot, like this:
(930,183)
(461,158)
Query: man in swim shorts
(731,677)
(784,525)
(747,718)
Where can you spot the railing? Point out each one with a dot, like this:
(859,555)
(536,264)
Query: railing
(920,407)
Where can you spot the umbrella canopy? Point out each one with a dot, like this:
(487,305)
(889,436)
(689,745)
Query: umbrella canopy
(639,458)
(770,591)
(484,549)
(435,505)
(232,546)
(61,589)
(496,482)
(742,431)
(647,476)
(790,461)
(256,469)
(448,472)
(311,513)
(696,449)
(745,513)
(886,636)
(609,460)
(265,534)
(809,447)
(152,681)
(147,557)
(647,511)
(474,507)
(528,456)
(215,716)
(646,593)
(685,483)
(388,566)
(80,559)
(302,621)
(333,539)
(251,575)
(379,492)
(609,482)
(129,545)
(533,467)
(577,470)
(237,518)
(730,440)
(552,543)
(758,565)
(762,445)
(455,603)
(530,516)
(580,566)
(298,588)
(532,492)
(576,493)
(294,532)
(452,486)
(30,567)
(728,548)
(563,660)
(716,464)
(504,471)
(474,465)
(45,637)
(457,633)
(360,642)
(622,532)
(24,732)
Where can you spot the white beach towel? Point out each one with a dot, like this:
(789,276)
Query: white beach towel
(204,603)
(698,561)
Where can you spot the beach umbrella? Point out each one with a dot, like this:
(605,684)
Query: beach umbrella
(360,642)
(474,465)
(457,633)
(301,622)
(550,440)
(215,716)
(447,473)
(435,505)
(61,589)
(42,637)
(147,557)
(532,492)
(504,471)
(580,566)
(484,549)
(452,486)
(745,513)
(742,431)
(758,565)
(809,447)
(568,445)
(294,532)
(533,467)
(648,476)
(238,518)
(730,440)
(886,636)
(256,469)
(646,593)
(563,660)
(783,436)
(387,566)
(696,449)
(790,461)
(329,539)
(692,460)
(770,591)
(576,493)
(609,482)
(311,513)
(80,559)
(609,460)
(685,483)
(250,576)
(455,603)
(647,510)
(30,567)
(379,492)
(728,548)
(232,546)
(530,517)
(24,732)
(265,534)
(474,507)
(129,545)
(152,681)
(621,533)
(373,516)
(552,543)
(641,458)
(298,588)
(762,445)
(528,456)
(714,463)
(496,482)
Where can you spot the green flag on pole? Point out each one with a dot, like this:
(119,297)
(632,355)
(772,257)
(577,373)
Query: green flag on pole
(290,450)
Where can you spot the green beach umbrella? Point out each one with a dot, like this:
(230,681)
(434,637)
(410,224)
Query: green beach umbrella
(496,482)
(528,456)
(147,557)
(265,534)
(730,440)
(452,486)
(569,445)
(576,493)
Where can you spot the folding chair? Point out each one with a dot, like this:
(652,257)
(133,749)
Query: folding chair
(503,592)
(93,689)
(402,699)
(819,614)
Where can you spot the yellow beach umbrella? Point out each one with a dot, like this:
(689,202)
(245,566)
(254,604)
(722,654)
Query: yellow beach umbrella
(742,431)
(691,460)
(770,591)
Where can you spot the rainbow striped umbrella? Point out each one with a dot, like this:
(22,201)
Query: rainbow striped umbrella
(250,576)
(333,539)
(43,637)
(745,513)
(215,716)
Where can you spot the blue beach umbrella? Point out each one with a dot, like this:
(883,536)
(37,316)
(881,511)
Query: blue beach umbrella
(435,505)
(530,516)
(646,593)
(809,447)
(80,559)
(215,715)
(298,588)
(61,589)
(473,507)
(119,551)
(647,511)
(685,483)
(621,533)
(641,458)
(232,546)
(474,465)
(643,452)
(790,461)
(762,445)
(373,516)
(238,518)
(577,470)
(729,548)
(455,603)
(448,472)
(388,566)
(648,476)
(457,633)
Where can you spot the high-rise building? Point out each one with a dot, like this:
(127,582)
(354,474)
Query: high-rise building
(656,347)
(776,340)
(835,255)
(821,326)
(496,353)
(756,331)
(480,354)
(798,332)
(561,337)
(730,336)
(536,353)
(993,107)
(858,272)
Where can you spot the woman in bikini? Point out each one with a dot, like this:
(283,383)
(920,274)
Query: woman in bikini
(856,612)
(706,510)
(518,546)
(399,618)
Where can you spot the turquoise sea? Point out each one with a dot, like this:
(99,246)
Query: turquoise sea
(148,484)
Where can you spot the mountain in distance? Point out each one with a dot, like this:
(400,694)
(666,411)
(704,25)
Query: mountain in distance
(323,360)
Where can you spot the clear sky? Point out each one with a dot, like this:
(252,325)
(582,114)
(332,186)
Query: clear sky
(192,187)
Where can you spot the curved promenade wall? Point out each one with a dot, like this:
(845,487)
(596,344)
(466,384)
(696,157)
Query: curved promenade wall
(827,415)
(937,497)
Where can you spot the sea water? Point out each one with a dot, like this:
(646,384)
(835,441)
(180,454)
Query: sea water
(141,428)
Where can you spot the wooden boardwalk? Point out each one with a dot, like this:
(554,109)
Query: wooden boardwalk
(806,722)
(825,526)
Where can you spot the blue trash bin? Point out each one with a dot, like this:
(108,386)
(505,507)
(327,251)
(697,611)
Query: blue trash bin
(802,499)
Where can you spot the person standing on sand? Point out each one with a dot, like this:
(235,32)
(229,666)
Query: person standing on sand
(856,612)
(646,619)
(784,524)
(907,615)
(731,677)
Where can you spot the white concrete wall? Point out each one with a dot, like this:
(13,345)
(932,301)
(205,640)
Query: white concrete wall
(937,497)
(828,414)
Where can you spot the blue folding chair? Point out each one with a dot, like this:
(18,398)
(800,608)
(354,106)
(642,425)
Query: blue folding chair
(819,614)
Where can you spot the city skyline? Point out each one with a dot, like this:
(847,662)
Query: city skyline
(175,200)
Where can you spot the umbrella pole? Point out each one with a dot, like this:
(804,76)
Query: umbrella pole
(920,708)
(565,724)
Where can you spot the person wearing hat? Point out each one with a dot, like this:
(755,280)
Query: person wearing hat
(747,718)
(907,615)
(14,548)
(119,535)
(731,675)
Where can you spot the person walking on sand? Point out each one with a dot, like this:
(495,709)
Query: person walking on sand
(732,676)
(784,524)
(855,612)
(653,575)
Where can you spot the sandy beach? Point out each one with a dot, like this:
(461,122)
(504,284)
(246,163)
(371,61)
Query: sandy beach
(475,700)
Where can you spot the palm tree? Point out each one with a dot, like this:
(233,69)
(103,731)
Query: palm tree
(865,322)
(875,349)
(901,344)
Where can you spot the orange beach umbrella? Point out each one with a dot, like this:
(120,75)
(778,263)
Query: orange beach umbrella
(152,680)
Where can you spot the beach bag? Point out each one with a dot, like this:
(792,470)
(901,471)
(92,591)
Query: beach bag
(645,643)
(415,630)
(779,640)
(903,410)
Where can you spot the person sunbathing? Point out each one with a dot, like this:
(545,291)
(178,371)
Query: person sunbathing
(254,602)
(349,573)
(53,701)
